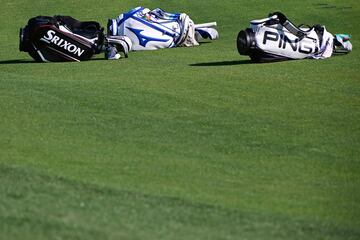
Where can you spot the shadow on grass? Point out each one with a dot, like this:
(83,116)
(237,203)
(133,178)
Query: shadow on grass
(222,63)
(25,61)
(17,61)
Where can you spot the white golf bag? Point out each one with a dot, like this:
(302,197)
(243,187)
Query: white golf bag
(150,30)
(275,39)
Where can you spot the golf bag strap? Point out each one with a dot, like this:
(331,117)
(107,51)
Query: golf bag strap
(320,33)
(284,21)
(88,29)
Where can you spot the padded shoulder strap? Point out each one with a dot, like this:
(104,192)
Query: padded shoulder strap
(283,20)
(88,29)
(41,20)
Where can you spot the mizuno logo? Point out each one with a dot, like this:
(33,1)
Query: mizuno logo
(143,39)
(51,37)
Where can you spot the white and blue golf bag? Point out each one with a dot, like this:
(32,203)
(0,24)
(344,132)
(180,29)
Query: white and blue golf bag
(276,38)
(156,29)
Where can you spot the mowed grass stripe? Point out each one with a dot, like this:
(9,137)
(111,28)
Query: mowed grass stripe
(47,206)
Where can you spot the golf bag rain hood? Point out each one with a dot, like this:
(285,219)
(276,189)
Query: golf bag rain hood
(63,38)
(156,29)
(276,38)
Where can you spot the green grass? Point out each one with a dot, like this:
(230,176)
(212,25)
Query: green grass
(207,147)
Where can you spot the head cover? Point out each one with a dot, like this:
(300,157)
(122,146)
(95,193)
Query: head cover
(116,45)
(342,43)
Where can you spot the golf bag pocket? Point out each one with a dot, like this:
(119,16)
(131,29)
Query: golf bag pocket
(60,38)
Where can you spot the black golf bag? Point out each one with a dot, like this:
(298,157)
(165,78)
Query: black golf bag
(276,39)
(63,38)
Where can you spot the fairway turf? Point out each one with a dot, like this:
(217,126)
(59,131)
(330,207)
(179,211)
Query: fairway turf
(187,143)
